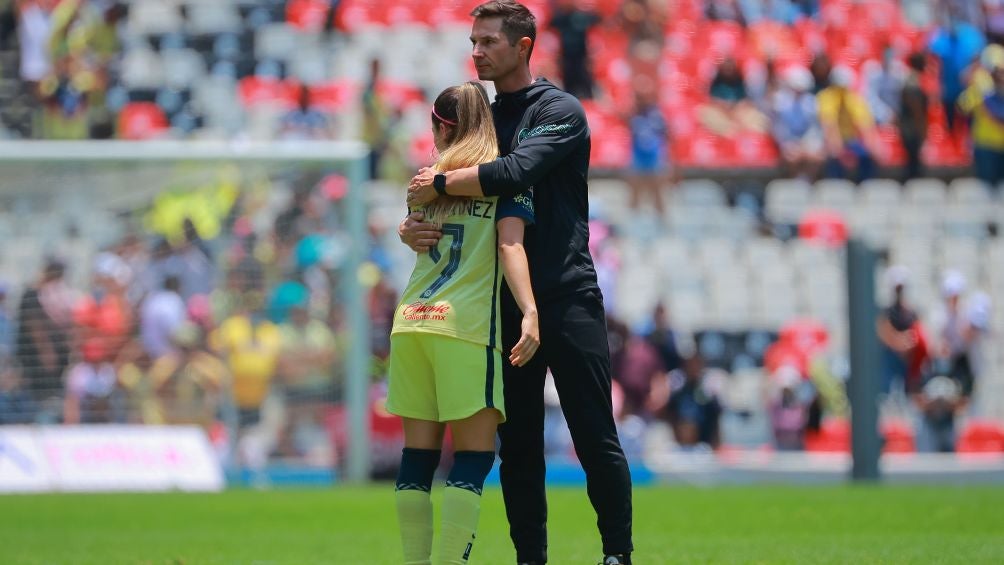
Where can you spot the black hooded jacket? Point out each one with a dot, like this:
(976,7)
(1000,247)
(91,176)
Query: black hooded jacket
(544,142)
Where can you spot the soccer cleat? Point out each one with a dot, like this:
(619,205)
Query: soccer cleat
(616,560)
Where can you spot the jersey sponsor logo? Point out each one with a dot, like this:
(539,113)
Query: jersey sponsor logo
(425,311)
(527,133)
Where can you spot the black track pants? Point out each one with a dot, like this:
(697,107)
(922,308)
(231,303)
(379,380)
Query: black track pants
(574,345)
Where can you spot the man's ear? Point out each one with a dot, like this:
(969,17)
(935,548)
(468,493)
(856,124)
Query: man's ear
(525,44)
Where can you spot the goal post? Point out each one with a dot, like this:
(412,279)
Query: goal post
(58,198)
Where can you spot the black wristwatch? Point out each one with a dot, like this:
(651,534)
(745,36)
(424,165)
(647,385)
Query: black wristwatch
(439,183)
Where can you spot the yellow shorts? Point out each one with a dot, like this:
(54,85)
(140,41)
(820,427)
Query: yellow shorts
(440,378)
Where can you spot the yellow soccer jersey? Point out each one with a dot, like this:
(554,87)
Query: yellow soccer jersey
(454,288)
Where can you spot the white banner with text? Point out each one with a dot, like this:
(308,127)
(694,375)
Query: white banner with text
(107,458)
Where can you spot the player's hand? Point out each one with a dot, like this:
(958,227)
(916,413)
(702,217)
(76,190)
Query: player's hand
(418,235)
(420,189)
(529,341)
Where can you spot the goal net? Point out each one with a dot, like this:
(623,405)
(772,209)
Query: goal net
(212,284)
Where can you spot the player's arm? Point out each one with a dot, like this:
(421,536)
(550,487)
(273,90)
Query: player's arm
(514,214)
(560,129)
(517,276)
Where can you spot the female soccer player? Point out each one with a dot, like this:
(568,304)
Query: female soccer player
(446,361)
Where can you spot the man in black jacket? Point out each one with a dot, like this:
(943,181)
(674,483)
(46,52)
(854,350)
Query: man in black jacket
(544,140)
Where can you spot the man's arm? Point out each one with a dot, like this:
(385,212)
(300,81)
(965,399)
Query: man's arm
(559,130)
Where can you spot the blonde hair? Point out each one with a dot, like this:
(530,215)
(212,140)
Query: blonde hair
(470,140)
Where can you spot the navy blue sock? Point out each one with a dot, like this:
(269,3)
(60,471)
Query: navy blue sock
(470,469)
(417,469)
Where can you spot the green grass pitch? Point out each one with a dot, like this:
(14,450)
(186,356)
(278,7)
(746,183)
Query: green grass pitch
(356,525)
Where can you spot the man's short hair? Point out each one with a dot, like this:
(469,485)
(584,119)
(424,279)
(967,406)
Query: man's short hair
(517,20)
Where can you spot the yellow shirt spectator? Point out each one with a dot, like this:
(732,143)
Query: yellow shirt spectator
(252,352)
(846,110)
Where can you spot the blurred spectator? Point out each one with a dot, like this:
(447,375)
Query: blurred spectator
(995,20)
(940,400)
(641,21)
(729,110)
(723,10)
(979,310)
(188,382)
(43,344)
(796,126)
(956,44)
(986,110)
(606,258)
(138,394)
(161,315)
(34,27)
(16,404)
(104,318)
(7,329)
(665,339)
(92,395)
(883,83)
(640,366)
(781,11)
(251,350)
(848,129)
(65,95)
(904,346)
(8,23)
(306,362)
(133,251)
(288,294)
(572,25)
(305,122)
(955,333)
(650,167)
(966,11)
(189,262)
(689,399)
(378,120)
(382,306)
(821,68)
(913,116)
(788,406)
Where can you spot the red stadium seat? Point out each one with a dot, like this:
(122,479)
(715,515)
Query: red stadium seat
(834,436)
(981,436)
(333,96)
(756,150)
(898,437)
(256,90)
(309,15)
(892,145)
(141,120)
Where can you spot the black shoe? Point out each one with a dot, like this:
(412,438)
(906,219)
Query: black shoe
(616,560)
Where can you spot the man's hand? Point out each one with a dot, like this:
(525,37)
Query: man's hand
(529,341)
(416,234)
(420,190)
